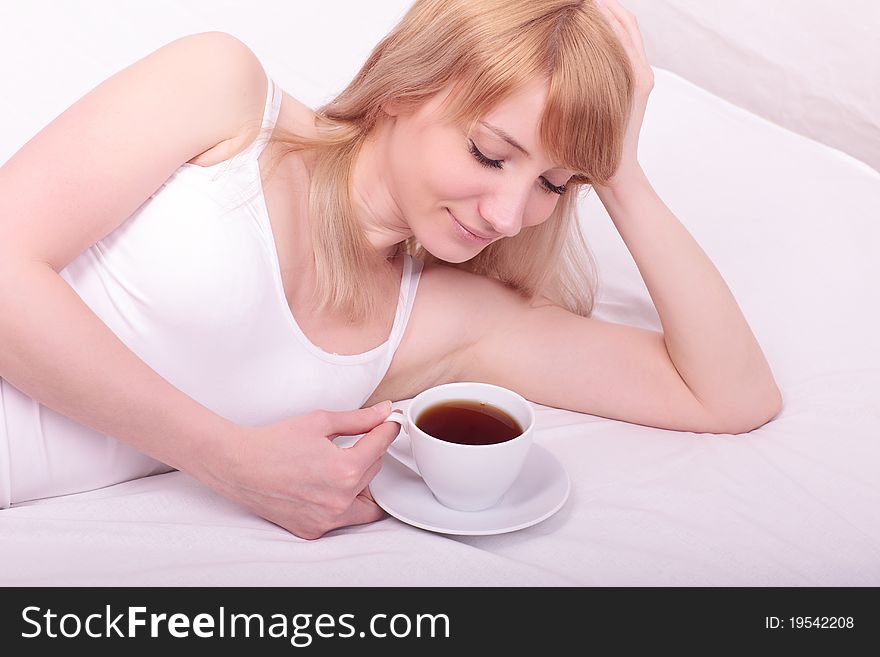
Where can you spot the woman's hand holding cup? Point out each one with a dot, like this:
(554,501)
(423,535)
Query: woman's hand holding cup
(292,474)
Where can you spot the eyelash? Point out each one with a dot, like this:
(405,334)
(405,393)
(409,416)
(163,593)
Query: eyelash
(546,185)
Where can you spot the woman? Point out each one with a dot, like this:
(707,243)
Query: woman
(206,275)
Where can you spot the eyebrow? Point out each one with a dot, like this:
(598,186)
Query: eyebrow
(506,137)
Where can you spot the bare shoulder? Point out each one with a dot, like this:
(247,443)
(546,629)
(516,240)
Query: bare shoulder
(470,302)
(248,85)
(109,151)
(223,66)
(294,115)
(452,309)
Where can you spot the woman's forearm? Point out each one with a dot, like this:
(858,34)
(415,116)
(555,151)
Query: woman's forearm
(56,350)
(706,334)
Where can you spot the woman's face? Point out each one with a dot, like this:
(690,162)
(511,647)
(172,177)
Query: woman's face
(460,191)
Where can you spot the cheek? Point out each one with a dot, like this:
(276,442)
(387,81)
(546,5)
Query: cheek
(456,183)
(540,206)
(448,171)
(429,170)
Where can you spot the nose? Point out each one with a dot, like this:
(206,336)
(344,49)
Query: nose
(504,209)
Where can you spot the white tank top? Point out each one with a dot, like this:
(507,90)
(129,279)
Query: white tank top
(191,283)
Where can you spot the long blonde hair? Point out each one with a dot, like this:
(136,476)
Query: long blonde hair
(485,49)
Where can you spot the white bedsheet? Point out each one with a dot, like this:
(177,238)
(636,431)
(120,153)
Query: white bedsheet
(791,224)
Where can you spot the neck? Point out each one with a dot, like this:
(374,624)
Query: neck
(373,202)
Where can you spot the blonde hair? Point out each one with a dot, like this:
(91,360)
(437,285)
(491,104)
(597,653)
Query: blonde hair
(485,49)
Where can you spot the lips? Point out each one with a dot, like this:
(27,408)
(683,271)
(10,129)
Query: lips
(468,229)
(485,237)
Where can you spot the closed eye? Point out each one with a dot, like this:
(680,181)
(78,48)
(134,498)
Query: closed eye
(553,189)
(546,185)
(482,159)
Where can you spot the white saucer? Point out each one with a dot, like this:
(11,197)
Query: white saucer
(540,491)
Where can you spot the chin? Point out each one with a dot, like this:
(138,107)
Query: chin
(443,243)
(451,253)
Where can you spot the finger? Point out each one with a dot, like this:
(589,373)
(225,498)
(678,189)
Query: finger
(370,448)
(609,15)
(630,39)
(618,29)
(624,23)
(622,14)
(352,423)
(368,475)
(363,510)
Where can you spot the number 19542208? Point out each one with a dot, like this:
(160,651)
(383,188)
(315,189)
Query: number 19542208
(810,622)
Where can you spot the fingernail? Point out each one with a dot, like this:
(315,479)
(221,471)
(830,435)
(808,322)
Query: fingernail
(384,406)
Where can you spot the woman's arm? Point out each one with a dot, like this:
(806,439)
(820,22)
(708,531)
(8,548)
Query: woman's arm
(707,336)
(556,358)
(74,183)
(57,351)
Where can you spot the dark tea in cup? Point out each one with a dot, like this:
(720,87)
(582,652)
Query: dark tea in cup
(468,441)
(468,422)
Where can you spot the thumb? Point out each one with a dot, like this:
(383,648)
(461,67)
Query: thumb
(368,450)
(352,423)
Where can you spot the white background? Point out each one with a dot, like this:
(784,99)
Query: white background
(812,66)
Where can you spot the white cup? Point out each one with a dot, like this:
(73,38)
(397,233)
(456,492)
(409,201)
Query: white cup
(465,477)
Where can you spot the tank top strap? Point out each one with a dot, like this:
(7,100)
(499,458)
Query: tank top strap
(409,284)
(412,271)
(270,115)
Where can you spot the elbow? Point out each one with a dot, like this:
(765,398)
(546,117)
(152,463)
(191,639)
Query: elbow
(747,418)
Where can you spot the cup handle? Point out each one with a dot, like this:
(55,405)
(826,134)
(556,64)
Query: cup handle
(400,453)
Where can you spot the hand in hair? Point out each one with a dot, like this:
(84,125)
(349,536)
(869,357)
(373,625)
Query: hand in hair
(626,28)
(292,474)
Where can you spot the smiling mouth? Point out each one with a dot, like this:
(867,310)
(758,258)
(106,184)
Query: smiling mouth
(467,231)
